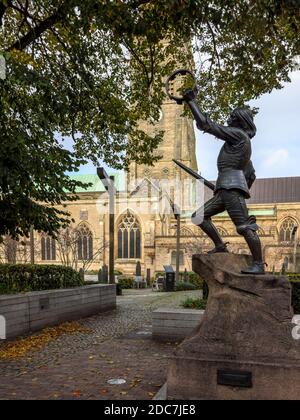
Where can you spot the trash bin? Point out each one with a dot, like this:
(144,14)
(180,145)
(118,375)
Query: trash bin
(169,280)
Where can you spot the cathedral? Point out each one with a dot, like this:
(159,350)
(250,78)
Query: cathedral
(145,225)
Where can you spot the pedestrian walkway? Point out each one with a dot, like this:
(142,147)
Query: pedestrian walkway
(115,345)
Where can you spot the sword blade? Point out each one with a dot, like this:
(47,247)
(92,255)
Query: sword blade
(194,174)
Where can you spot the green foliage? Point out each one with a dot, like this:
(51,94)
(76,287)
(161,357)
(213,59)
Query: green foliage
(195,279)
(19,278)
(195,303)
(182,286)
(82,74)
(126,283)
(118,273)
(295,282)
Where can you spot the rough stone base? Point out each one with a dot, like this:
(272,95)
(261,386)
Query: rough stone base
(246,332)
(192,379)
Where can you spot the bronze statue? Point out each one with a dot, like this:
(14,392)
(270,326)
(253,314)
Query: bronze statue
(236,176)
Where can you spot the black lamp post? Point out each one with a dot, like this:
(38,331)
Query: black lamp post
(108,182)
(177,214)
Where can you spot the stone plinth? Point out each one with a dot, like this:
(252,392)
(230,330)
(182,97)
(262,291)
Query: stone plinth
(169,324)
(243,347)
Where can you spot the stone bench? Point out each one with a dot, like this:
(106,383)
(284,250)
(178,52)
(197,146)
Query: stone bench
(174,324)
(24,313)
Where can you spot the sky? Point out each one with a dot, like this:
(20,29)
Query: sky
(276,147)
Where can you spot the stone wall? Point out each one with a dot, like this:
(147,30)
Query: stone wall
(174,324)
(36,310)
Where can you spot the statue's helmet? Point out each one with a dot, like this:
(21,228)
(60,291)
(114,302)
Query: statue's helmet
(246,118)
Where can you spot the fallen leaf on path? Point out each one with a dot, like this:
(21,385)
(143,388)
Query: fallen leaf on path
(77,393)
(36,342)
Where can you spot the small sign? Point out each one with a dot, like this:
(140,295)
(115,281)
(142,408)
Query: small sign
(44,304)
(235,378)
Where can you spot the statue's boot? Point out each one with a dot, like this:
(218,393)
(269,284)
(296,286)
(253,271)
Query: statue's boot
(254,244)
(208,227)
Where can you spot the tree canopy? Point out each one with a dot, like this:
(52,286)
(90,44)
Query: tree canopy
(90,70)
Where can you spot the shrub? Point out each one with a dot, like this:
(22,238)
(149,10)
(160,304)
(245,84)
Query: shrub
(295,295)
(195,279)
(19,278)
(194,303)
(118,273)
(182,286)
(125,282)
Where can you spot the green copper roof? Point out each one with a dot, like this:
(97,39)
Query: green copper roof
(97,185)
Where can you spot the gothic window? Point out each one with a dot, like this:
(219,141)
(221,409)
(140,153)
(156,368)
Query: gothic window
(84,243)
(173,258)
(48,248)
(129,237)
(286,230)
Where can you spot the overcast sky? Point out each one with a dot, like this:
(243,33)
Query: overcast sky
(276,147)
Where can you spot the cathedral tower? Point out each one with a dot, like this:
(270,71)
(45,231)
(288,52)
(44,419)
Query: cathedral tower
(179,143)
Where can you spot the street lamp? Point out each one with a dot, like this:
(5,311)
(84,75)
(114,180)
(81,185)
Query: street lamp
(108,182)
(177,214)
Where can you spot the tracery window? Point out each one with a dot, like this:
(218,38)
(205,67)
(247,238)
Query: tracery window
(129,237)
(48,248)
(84,243)
(286,230)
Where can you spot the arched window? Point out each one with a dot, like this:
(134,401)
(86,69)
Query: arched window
(129,237)
(286,230)
(48,248)
(84,243)
(173,258)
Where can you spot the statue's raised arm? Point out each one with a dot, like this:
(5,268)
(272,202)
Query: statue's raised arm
(236,176)
(232,133)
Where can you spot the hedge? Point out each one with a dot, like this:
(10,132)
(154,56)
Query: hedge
(195,303)
(21,278)
(195,279)
(126,283)
(183,286)
(295,295)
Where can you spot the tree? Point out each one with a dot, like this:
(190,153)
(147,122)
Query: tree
(15,252)
(91,70)
(67,245)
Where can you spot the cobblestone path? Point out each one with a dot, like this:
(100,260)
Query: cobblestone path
(117,344)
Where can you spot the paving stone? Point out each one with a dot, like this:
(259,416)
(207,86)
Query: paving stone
(79,366)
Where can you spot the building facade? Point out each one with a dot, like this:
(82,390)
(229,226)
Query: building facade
(145,228)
